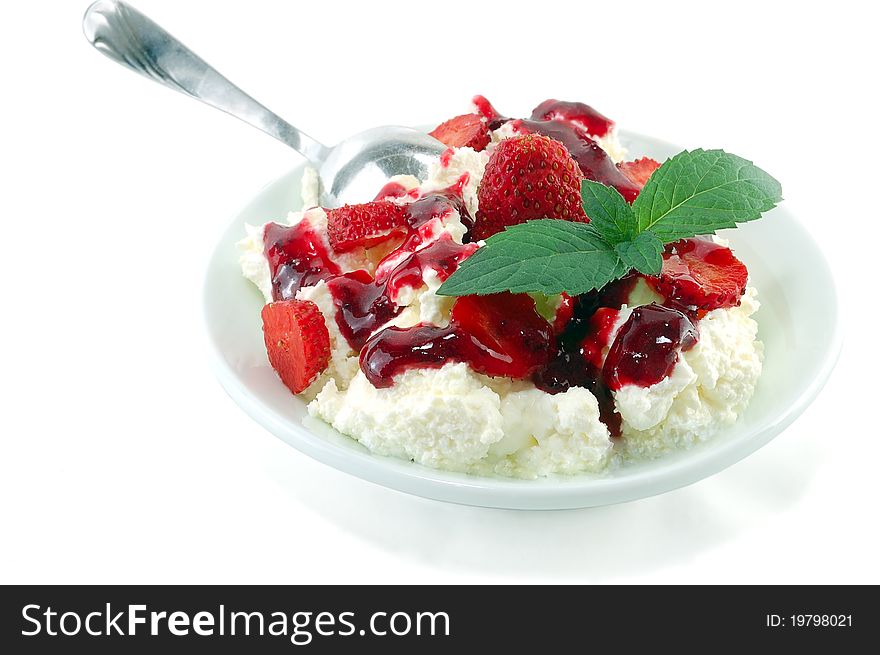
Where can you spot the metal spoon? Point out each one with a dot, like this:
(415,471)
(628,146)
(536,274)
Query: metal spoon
(350,172)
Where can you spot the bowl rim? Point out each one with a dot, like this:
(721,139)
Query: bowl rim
(555,492)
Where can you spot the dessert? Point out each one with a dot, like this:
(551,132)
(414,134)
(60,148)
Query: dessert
(541,304)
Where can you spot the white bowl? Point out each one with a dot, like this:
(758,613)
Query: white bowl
(798,323)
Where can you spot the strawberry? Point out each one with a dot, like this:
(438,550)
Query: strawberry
(507,334)
(363,226)
(700,274)
(640,170)
(297,341)
(527,177)
(564,313)
(465,131)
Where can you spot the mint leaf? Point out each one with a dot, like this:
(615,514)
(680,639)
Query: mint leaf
(546,256)
(702,191)
(644,253)
(609,213)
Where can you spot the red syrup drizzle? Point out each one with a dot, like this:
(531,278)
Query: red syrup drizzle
(646,348)
(593,161)
(364,304)
(446,157)
(423,222)
(643,353)
(484,108)
(391,190)
(297,258)
(576,362)
(499,335)
(581,115)
(394,350)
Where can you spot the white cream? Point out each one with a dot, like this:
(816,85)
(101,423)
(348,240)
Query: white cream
(343,360)
(610,143)
(253,262)
(443,418)
(709,388)
(310,188)
(452,418)
(448,171)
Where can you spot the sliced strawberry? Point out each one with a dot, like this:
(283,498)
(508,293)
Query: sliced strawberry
(465,131)
(699,274)
(564,313)
(297,341)
(363,226)
(598,335)
(509,337)
(639,170)
(527,177)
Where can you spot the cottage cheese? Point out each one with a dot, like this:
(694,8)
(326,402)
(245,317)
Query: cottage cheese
(343,360)
(448,171)
(310,188)
(253,262)
(709,388)
(452,418)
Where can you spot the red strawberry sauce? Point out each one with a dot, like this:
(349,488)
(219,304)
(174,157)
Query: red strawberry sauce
(391,190)
(297,258)
(499,334)
(644,351)
(584,116)
(364,304)
(647,346)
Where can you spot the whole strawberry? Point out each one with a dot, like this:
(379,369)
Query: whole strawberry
(465,131)
(528,177)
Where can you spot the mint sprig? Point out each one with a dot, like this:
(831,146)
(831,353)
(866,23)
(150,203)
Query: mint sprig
(693,193)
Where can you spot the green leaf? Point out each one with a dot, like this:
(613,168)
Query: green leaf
(644,253)
(609,213)
(702,191)
(545,256)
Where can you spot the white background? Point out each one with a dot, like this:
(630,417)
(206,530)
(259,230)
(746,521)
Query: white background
(124,461)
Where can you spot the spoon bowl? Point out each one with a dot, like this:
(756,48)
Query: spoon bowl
(358,167)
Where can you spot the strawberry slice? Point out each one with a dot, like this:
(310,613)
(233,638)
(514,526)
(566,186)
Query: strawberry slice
(509,337)
(564,313)
(297,341)
(640,170)
(465,131)
(363,226)
(700,274)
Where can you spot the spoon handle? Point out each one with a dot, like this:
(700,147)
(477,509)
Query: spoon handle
(126,36)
